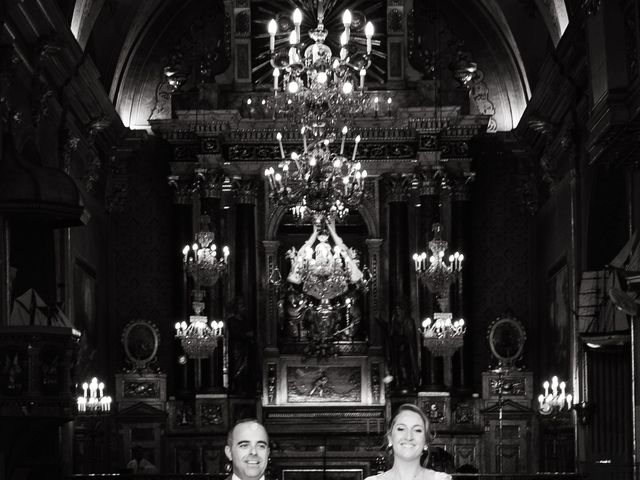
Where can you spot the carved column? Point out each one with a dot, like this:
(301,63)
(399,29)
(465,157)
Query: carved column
(396,28)
(373,248)
(210,194)
(460,235)
(183,221)
(246,278)
(399,256)
(241,44)
(271,313)
(429,214)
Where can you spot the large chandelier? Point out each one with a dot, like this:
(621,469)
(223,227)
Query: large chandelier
(442,336)
(309,81)
(198,338)
(439,275)
(326,272)
(202,260)
(319,181)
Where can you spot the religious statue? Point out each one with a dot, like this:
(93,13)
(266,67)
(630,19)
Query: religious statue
(242,361)
(402,347)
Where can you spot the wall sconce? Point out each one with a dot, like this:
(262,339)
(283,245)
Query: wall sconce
(555,398)
(93,399)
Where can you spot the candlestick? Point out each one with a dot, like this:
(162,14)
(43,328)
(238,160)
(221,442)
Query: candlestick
(368,31)
(297,20)
(355,148)
(346,21)
(304,138)
(344,136)
(272,28)
(279,138)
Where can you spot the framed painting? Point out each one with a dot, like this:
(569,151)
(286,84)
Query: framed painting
(84,298)
(84,315)
(558,320)
(335,381)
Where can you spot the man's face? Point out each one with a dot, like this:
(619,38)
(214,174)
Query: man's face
(249,450)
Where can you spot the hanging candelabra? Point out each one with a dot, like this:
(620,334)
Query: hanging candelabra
(442,336)
(198,338)
(438,275)
(309,81)
(318,181)
(202,260)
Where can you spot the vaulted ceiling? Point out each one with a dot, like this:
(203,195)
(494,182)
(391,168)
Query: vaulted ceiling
(130,43)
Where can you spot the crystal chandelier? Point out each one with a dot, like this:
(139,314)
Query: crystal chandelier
(439,275)
(198,338)
(309,81)
(441,336)
(93,399)
(319,181)
(326,272)
(556,399)
(202,260)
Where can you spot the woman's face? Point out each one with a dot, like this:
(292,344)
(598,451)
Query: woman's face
(408,436)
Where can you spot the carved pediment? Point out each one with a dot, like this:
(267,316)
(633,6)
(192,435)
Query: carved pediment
(508,407)
(142,412)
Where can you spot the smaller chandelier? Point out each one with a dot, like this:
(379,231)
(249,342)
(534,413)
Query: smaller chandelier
(319,181)
(198,339)
(441,336)
(93,399)
(326,272)
(319,86)
(439,275)
(555,399)
(202,260)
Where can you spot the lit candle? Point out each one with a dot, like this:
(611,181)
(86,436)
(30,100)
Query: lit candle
(304,138)
(296,158)
(185,252)
(368,31)
(355,148)
(272,28)
(293,54)
(346,21)
(416,261)
(389,106)
(276,74)
(363,73)
(100,388)
(343,43)
(297,20)
(545,385)
(279,138)
(344,136)
(85,386)
(345,180)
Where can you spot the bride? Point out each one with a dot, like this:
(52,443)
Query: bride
(408,438)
